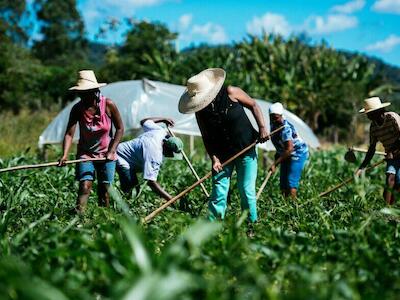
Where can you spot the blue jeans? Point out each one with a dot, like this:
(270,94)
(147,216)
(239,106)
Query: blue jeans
(127,178)
(246,169)
(87,171)
(393,167)
(291,170)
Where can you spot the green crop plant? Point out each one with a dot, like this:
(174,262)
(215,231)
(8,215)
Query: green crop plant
(343,246)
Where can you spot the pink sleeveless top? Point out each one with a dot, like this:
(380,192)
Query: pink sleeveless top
(95,131)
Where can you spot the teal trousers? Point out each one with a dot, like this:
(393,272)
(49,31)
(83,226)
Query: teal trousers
(246,169)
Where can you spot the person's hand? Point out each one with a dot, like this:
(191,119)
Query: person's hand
(61,161)
(263,135)
(217,166)
(272,169)
(169,122)
(111,155)
(359,172)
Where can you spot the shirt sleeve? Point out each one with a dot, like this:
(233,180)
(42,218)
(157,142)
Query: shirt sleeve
(151,125)
(287,134)
(152,163)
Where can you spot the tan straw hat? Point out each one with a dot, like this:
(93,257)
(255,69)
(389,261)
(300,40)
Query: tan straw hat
(201,90)
(86,81)
(372,104)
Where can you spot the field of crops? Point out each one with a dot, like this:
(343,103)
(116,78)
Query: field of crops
(345,246)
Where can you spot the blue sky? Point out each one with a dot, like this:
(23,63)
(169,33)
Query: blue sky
(367,26)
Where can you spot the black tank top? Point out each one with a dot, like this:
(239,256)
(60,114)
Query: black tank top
(228,128)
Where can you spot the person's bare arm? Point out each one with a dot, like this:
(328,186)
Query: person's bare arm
(69,135)
(284,156)
(370,154)
(238,94)
(167,121)
(119,129)
(156,187)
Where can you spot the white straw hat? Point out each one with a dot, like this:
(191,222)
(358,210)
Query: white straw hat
(86,81)
(201,90)
(372,104)
(276,108)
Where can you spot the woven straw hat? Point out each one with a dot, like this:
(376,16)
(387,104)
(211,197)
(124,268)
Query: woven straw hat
(201,90)
(372,104)
(86,81)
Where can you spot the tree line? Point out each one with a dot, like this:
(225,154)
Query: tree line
(320,84)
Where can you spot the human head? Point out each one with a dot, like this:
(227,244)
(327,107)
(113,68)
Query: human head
(374,108)
(376,114)
(201,90)
(276,113)
(172,147)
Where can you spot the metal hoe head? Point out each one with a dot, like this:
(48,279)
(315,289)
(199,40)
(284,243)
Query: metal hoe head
(350,156)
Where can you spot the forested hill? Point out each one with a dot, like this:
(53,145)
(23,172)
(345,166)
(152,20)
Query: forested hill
(324,86)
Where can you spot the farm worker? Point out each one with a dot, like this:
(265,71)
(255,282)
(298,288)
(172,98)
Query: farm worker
(385,128)
(291,151)
(226,130)
(145,154)
(95,115)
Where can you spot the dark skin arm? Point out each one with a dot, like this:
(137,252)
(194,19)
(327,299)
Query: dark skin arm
(156,187)
(285,155)
(167,121)
(115,116)
(370,154)
(237,94)
(69,135)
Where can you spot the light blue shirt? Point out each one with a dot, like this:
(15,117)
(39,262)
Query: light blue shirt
(289,133)
(144,153)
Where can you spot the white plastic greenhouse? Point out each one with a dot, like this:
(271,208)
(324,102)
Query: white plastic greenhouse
(138,99)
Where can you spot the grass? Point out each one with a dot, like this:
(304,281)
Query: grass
(20,132)
(345,246)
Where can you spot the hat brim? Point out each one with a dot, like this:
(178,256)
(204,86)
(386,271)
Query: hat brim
(190,104)
(87,87)
(363,111)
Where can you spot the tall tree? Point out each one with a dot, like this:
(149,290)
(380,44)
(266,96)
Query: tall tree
(62,32)
(11,14)
(148,51)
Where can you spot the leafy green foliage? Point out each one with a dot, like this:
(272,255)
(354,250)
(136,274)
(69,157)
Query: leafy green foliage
(62,32)
(345,246)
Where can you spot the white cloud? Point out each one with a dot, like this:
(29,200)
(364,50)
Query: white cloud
(349,7)
(214,33)
(185,21)
(329,24)
(386,45)
(94,11)
(269,23)
(130,4)
(387,6)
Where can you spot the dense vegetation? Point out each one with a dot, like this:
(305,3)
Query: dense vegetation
(345,246)
(323,86)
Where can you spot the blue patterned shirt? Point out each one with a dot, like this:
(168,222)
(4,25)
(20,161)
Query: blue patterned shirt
(288,133)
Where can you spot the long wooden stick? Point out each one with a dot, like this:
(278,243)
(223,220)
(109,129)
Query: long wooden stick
(262,187)
(347,180)
(190,188)
(50,164)
(365,151)
(191,167)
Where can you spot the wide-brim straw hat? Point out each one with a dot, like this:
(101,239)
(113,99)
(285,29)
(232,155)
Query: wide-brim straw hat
(86,81)
(201,90)
(372,104)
